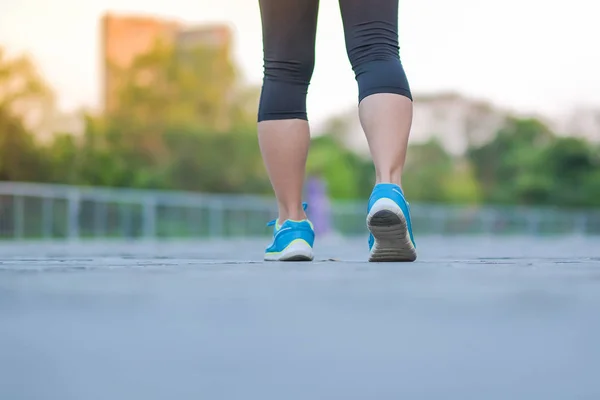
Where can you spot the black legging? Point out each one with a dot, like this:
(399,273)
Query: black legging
(289,30)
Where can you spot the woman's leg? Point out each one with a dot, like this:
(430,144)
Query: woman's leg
(289,29)
(385,110)
(385,101)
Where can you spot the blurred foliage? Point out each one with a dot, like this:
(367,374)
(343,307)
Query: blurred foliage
(348,176)
(185,121)
(528,164)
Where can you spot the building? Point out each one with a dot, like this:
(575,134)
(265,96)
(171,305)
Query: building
(582,122)
(217,36)
(454,120)
(125,37)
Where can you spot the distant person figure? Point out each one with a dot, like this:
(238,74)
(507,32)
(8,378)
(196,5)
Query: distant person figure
(320,212)
(385,110)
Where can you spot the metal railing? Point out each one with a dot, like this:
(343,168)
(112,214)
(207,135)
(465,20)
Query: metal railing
(40,211)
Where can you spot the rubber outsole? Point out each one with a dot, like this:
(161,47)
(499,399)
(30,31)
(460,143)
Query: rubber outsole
(392,240)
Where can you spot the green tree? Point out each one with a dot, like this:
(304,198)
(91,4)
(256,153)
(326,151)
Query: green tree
(526,163)
(428,167)
(24,98)
(197,86)
(348,176)
(462,187)
(20,157)
(63,157)
(183,120)
(225,163)
(23,92)
(572,169)
(510,156)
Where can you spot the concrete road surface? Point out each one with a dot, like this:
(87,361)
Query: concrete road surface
(474,318)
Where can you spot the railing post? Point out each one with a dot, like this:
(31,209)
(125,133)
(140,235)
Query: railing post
(533,221)
(18,217)
(73,214)
(489,221)
(215,218)
(581,226)
(149,221)
(100,217)
(125,220)
(47,217)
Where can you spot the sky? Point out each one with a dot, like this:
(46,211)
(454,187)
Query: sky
(536,56)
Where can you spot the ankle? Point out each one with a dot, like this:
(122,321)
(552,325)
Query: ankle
(390,177)
(294,213)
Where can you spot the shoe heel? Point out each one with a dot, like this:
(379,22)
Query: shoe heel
(387,224)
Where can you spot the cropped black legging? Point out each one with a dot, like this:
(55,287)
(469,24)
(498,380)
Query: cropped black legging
(289,30)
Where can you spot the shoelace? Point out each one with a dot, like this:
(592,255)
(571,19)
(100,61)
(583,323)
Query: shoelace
(272,223)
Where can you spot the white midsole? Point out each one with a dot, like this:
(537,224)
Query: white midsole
(385,204)
(297,248)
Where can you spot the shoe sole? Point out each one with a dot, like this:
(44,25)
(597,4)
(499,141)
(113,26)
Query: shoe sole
(298,250)
(387,224)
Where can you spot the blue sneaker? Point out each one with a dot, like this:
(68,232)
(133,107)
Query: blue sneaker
(292,241)
(388,220)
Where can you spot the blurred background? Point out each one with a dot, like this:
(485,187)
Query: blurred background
(136,119)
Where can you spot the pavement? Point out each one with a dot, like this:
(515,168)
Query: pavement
(480,318)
